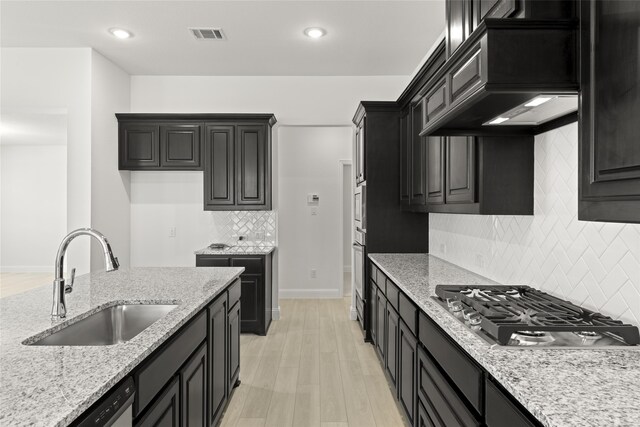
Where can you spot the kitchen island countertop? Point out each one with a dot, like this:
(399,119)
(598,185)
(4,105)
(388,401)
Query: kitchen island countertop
(53,385)
(560,387)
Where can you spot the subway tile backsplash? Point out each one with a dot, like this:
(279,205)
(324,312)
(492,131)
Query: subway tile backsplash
(592,264)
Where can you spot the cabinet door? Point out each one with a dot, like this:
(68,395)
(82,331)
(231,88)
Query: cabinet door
(139,146)
(252,165)
(610,152)
(435,169)
(458,14)
(391,326)
(252,304)
(460,170)
(501,411)
(418,157)
(405,159)
(219,166)
(381,310)
(217,358)
(374,313)
(165,412)
(193,386)
(360,151)
(180,146)
(358,269)
(234,346)
(407,346)
(423,417)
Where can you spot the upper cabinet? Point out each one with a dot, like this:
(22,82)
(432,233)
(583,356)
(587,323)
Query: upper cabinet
(609,111)
(234,150)
(360,157)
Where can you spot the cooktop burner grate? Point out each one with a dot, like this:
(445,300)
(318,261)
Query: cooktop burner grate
(507,310)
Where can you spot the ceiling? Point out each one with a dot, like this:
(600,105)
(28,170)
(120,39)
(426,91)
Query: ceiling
(263,37)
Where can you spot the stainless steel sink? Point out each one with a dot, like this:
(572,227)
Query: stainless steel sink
(111,325)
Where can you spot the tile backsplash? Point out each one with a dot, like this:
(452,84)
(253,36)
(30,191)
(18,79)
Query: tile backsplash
(589,263)
(257,227)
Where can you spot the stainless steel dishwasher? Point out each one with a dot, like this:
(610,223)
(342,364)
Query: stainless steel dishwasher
(112,410)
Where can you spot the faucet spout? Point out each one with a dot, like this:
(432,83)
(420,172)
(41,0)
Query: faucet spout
(60,289)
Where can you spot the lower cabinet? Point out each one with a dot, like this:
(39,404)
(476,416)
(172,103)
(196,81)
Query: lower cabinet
(188,380)
(407,356)
(256,287)
(435,381)
(193,389)
(166,409)
(218,359)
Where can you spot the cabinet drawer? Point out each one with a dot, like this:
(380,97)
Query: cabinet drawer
(252,265)
(464,373)
(392,293)
(373,271)
(212,261)
(408,313)
(439,397)
(156,372)
(435,102)
(466,76)
(503,412)
(235,292)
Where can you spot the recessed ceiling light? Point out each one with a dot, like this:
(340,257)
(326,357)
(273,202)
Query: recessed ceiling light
(315,32)
(120,33)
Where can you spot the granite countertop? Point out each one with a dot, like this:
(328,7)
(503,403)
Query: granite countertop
(560,387)
(53,385)
(238,250)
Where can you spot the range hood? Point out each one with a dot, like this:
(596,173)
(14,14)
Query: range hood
(509,77)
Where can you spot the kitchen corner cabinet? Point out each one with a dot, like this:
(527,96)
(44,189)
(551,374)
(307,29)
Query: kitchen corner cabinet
(233,150)
(184,382)
(480,175)
(256,280)
(610,106)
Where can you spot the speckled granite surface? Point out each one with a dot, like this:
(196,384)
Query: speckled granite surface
(51,386)
(238,250)
(562,388)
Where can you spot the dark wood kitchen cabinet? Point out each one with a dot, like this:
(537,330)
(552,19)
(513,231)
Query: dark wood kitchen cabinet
(609,178)
(234,150)
(458,15)
(360,156)
(185,381)
(392,326)
(407,358)
(218,360)
(193,386)
(418,158)
(480,175)
(405,159)
(256,283)
(503,411)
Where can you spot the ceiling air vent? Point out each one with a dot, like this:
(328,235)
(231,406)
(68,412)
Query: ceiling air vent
(208,33)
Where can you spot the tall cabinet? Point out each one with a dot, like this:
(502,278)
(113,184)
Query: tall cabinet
(388,227)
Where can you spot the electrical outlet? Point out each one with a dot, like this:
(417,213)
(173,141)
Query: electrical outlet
(314,211)
(314,273)
(259,236)
(172,232)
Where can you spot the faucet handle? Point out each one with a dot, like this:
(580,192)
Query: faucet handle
(69,288)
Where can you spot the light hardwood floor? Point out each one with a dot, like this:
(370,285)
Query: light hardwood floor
(312,369)
(14,283)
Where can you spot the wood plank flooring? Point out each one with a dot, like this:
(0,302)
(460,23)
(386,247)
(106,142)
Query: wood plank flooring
(15,283)
(312,369)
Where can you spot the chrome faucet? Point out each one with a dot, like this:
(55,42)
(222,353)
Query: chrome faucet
(60,288)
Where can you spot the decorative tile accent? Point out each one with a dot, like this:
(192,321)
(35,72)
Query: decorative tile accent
(590,263)
(227,226)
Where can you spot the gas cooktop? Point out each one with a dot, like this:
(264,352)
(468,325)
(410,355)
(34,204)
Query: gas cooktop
(522,316)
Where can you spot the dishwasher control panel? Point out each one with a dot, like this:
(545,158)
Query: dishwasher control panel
(110,407)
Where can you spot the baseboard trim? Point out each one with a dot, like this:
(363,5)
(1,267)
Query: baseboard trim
(27,269)
(275,313)
(353,314)
(309,293)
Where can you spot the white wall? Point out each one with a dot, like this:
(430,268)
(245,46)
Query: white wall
(309,162)
(294,100)
(110,211)
(35,79)
(589,263)
(34,209)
